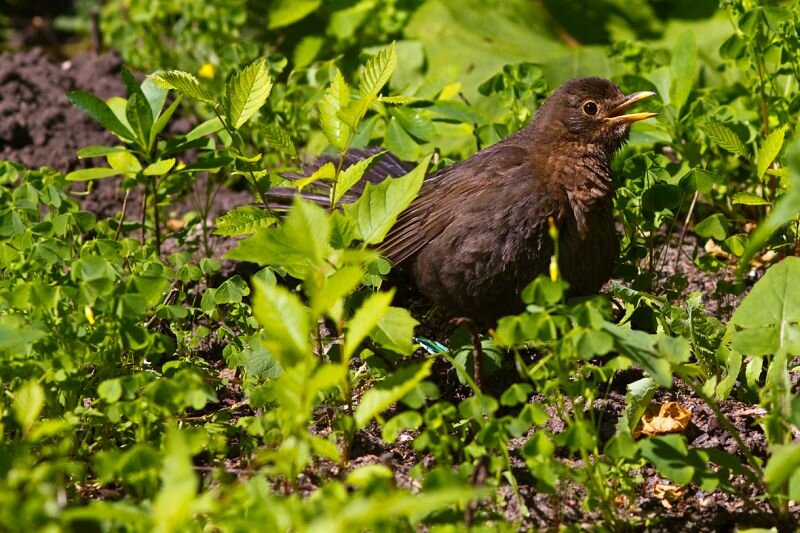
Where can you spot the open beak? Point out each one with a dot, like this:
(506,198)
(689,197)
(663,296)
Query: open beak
(616,114)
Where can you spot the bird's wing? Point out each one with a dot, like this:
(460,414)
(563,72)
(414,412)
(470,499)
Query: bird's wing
(449,192)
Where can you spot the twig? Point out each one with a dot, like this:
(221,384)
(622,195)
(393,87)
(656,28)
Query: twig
(683,231)
(122,215)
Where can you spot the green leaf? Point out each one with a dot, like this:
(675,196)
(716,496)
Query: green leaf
(770,150)
(99,151)
(247,92)
(243,221)
(377,72)
(277,138)
(156,96)
(86,174)
(364,320)
(99,110)
(640,347)
(299,245)
(768,319)
(682,69)
(124,162)
(724,137)
(395,331)
(747,198)
(399,142)
(28,404)
(140,118)
(159,168)
(379,206)
(183,82)
(669,454)
(286,323)
(231,291)
(350,176)
(336,98)
(285,12)
(389,391)
(714,227)
(783,464)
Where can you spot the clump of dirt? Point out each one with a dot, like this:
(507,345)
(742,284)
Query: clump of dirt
(38,125)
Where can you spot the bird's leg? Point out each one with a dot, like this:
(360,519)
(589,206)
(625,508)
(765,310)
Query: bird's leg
(477,349)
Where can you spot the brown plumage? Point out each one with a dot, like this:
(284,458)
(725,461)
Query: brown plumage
(477,233)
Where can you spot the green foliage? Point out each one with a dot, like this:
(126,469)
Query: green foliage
(112,352)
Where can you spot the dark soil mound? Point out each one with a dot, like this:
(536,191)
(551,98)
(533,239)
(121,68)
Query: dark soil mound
(38,125)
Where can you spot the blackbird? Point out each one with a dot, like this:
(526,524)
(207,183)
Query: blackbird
(477,233)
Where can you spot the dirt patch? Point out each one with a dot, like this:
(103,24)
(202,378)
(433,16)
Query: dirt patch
(38,125)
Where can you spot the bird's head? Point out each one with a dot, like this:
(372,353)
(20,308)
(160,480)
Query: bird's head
(590,111)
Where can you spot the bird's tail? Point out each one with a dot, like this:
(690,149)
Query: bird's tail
(383,166)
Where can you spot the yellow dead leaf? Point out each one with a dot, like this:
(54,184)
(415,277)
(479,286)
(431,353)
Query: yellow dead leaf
(671,418)
(668,494)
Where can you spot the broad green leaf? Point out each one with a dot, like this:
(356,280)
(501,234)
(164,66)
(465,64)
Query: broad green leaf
(99,110)
(364,320)
(326,172)
(99,151)
(243,221)
(336,98)
(350,176)
(669,453)
(231,291)
(156,96)
(714,227)
(286,323)
(640,347)
(326,294)
(782,466)
(247,92)
(163,119)
(28,404)
(399,142)
(724,137)
(682,69)
(183,82)
(747,198)
(379,206)
(768,319)
(299,245)
(637,399)
(86,174)
(391,390)
(377,72)
(285,12)
(172,507)
(770,150)
(206,128)
(395,331)
(124,162)
(140,118)
(159,168)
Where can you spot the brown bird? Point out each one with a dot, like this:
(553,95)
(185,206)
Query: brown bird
(477,233)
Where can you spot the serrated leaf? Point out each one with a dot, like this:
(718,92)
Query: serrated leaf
(326,172)
(724,137)
(350,176)
(183,82)
(247,92)
(379,206)
(243,220)
(391,390)
(101,112)
(279,139)
(770,150)
(399,100)
(748,198)
(377,72)
(336,98)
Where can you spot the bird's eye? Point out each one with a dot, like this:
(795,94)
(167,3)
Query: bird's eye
(590,108)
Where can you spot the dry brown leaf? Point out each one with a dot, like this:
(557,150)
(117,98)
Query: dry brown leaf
(668,494)
(175,224)
(671,418)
